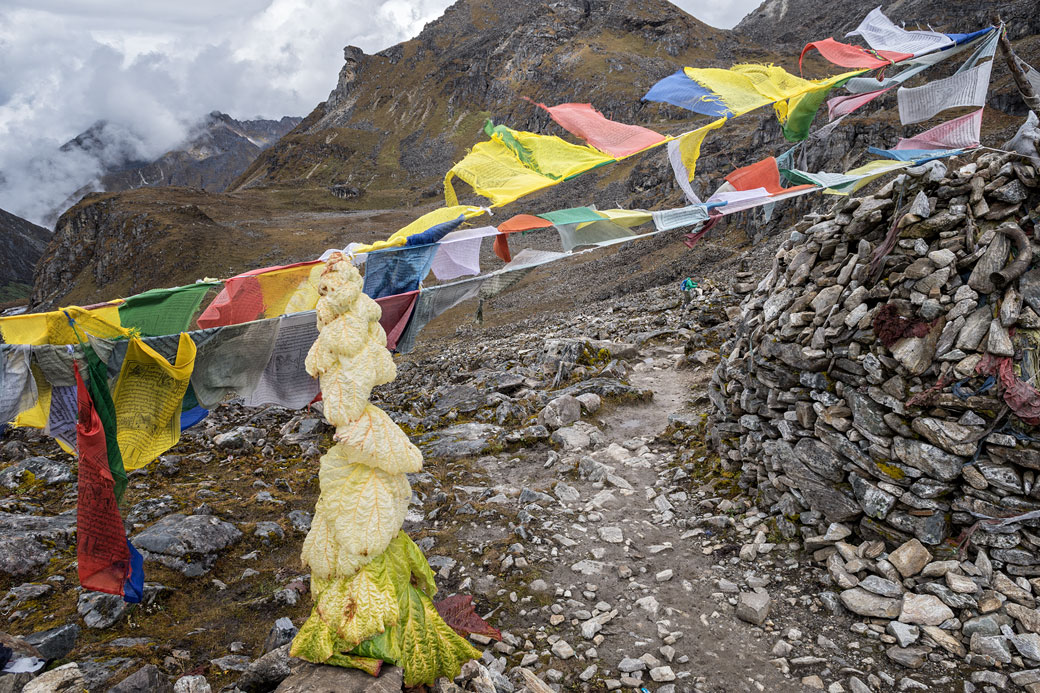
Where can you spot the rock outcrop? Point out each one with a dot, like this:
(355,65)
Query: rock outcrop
(21,245)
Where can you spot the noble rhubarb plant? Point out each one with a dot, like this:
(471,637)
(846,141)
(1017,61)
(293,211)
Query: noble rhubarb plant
(371,584)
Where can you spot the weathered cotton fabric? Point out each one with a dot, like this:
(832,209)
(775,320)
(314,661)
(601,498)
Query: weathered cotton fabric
(683,154)
(595,233)
(164,311)
(17,386)
(231,359)
(54,328)
(918,156)
(614,138)
(398,270)
(958,133)
(913,67)
(761,174)
(515,270)
(846,55)
(574,215)
(668,219)
(435,232)
(102,552)
(881,34)
(850,181)
(285,381)
(423,223)
(433,301)
(841,106)
(61,420)
(679,90)
(968,88)
(395,312)
(514,163)
(459,253)
(148,398)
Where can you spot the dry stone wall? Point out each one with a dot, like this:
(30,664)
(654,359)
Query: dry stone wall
(879,374)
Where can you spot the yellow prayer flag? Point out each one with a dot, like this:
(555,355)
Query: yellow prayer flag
(53,327)
(38,416)
(690,145)
(148,397)
(437,216)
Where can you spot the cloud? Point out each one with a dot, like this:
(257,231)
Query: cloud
(152,69)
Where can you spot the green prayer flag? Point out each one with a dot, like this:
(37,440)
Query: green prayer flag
(803,112)
(163,311)
(97,383)
(574,215)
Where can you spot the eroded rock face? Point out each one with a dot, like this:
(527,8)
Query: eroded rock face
(188,543)
(838,394)
(30,541)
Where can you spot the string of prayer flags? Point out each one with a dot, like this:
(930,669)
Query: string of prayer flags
(668,219)
(459,253)
(882,34)
(616,139)
(163,311)
(104,555)
(683,153)
(574,215)
(147,397)
(918,156)
(846,55)
(959,133)
(516,224)
(848,182)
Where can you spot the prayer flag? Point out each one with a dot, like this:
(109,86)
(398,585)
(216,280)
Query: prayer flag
(617,139)
(163,311)
(958,133)
(882,35)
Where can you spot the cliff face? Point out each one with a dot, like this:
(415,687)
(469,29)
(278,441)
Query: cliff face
(21,245)
(217,152)
(397,120)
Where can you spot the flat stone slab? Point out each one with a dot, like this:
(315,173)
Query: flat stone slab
(188,543)
(319,678)
(30,541)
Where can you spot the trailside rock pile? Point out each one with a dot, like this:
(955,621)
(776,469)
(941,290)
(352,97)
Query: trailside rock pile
(879,382)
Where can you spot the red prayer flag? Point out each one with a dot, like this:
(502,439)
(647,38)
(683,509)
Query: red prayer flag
(610,136)
(761,174)
(396,311)
(847,55)
(101,547)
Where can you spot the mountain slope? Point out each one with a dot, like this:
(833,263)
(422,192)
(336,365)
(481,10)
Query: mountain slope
(21,245)
(219,149)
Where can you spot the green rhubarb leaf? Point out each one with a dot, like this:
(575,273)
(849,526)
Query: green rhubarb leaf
(366,664)
(359,607)
(314,641)
(429,647)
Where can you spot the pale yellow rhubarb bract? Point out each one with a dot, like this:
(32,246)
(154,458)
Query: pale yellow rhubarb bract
(371,585)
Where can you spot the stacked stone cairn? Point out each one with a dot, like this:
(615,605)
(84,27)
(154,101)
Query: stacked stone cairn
(856,400)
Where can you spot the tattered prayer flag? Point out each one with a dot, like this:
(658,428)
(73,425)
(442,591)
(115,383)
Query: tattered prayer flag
(523,222)
(595,233)
(53,327)
(259,293)
(968,88)
(796,115)
(882,35)
(37,415)
(958,133)
(844,105)
(435,232)
(761,174)
(684,152)
(17,386)
(501,247)
(431,303)
(394,316)
(102,551)
(679,90)
(846,55)
(284,380)
(163,311)
(514,163)
(918,156)
(420,225)
(574,215)
(148,398)
(397,271)
(614,138)
(458,254)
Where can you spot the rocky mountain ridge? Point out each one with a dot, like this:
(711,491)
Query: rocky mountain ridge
(21,245)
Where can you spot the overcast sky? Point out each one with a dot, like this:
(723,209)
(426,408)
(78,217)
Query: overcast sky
(152,67)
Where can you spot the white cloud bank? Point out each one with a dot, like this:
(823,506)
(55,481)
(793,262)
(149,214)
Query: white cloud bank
(152,69)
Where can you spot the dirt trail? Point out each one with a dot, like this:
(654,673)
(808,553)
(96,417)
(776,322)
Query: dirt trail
(610,547)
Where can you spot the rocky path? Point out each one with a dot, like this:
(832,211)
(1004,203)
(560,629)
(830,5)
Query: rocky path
(634,603)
